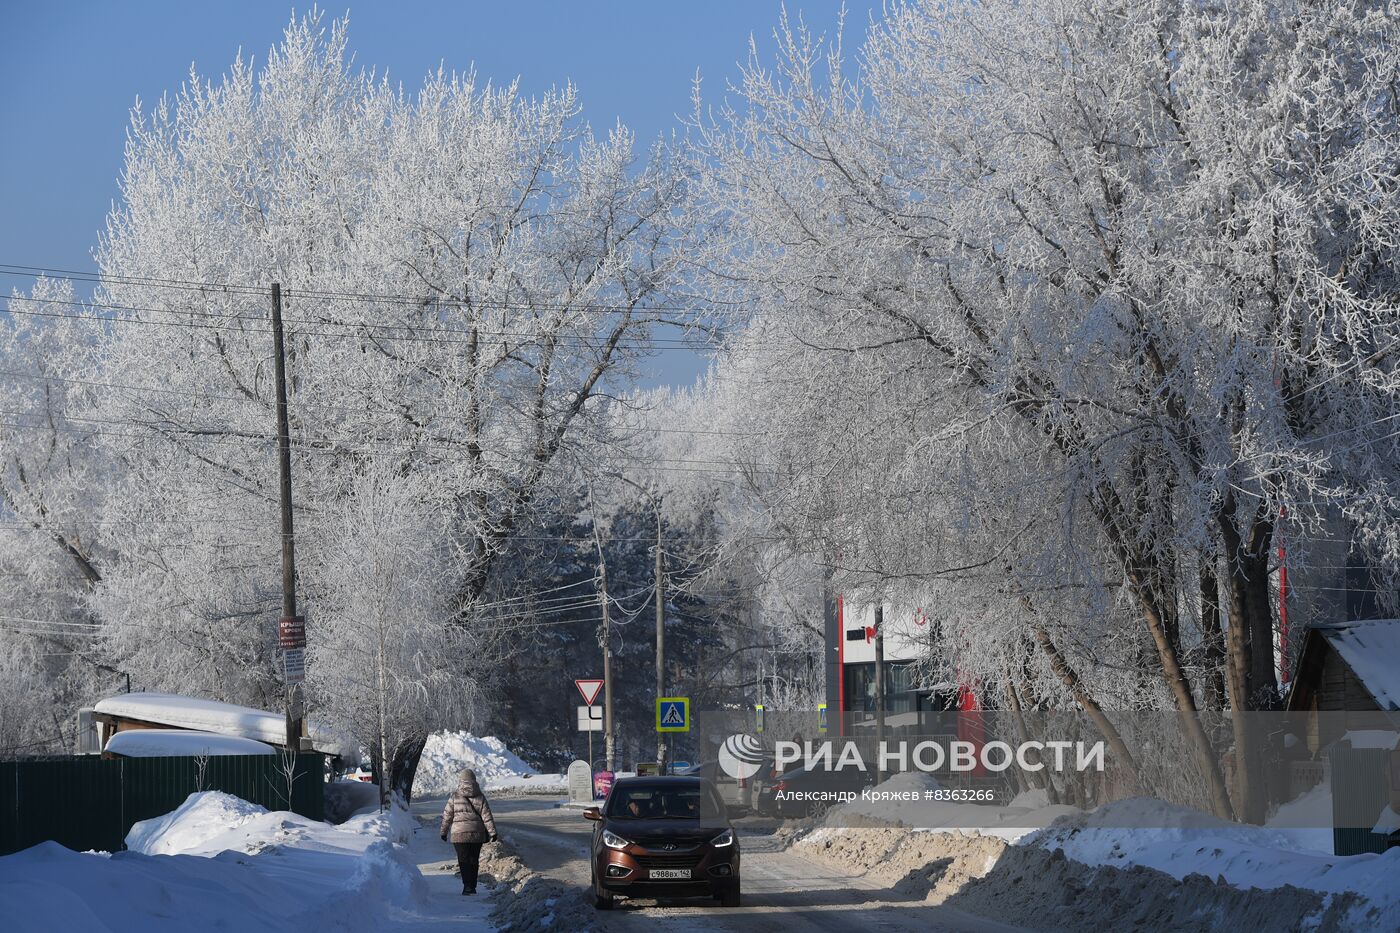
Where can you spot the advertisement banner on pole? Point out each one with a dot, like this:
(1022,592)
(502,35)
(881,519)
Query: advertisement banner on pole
(294,665)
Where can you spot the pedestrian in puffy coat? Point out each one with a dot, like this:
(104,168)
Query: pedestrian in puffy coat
(467,823)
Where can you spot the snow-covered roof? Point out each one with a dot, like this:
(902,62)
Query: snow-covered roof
(1371,649)
(160,743)
(169,709)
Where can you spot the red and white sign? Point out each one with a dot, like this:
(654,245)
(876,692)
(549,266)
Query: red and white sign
(590,689)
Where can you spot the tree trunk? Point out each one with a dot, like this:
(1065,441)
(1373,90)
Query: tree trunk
(1087,702)
(1212,639)
(1254,569)
(1180,688)
(404,765)
(1237,642)
(1030,779)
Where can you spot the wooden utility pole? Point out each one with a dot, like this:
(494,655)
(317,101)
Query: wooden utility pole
(289,566)
(880,690)
(607,663)
(662,758)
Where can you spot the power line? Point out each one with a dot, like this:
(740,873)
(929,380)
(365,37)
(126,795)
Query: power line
(320,406)
(337,446)
(216,520)
(352,331)
(420,300)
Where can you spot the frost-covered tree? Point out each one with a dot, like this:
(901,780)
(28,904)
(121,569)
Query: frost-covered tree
(465,271)
(1135,263)
(385,664)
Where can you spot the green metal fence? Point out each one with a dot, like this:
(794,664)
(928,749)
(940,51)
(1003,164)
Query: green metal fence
(86,802)
(1360,791)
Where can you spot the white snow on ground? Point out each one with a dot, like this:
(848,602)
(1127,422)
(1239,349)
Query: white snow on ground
(1307,820)
(186,830)
(228,864)
(158,743)
(1144,831)
(1295,848)
(446,754)
(224,718)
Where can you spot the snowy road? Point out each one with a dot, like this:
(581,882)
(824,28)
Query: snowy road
(781,889)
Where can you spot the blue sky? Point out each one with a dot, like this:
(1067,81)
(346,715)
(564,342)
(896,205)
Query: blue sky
(70,71)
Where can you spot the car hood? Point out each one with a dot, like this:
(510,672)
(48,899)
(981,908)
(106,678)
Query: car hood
(649,833)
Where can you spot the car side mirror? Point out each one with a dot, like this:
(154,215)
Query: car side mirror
(592,813)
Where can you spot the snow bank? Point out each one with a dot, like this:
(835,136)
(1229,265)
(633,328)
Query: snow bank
(1180,842)
(1295,849)
(447,754)
(218,862)
(159,743)
(188,828)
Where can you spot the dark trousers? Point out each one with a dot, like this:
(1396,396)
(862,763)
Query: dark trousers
(468,857)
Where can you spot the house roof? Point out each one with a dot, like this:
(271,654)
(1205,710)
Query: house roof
(157,743)
(169,709)
(1371,648)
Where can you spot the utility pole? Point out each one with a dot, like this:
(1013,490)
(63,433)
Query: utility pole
(289,568)
(607,663)
(662,758)
(880,690)
(608,739)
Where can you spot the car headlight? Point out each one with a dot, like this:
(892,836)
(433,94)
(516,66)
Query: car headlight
(725,838)
(613,841)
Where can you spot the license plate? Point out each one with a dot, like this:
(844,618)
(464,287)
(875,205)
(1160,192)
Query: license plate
(669,874)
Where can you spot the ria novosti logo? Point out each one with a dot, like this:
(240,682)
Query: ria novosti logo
(741,756)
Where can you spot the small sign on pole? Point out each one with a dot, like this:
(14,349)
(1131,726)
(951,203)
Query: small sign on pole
(673,714)
(291,631)
(590,687)
(758,717)
(590,719)
(821,717)
(294,665)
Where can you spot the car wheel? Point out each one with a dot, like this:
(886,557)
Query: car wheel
(601,901)
(729,897)
(817,809)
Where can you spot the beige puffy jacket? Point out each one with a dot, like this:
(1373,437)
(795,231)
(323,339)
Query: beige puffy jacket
(467,816)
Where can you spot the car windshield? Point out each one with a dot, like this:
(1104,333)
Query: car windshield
(655,803)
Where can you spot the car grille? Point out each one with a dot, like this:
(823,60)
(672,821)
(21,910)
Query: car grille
(669,861)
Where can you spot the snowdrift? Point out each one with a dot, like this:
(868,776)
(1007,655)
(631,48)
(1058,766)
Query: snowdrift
(218,862)
(446,754)
(1202,859)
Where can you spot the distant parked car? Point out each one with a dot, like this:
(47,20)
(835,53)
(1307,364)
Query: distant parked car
(809,792)
(739,794)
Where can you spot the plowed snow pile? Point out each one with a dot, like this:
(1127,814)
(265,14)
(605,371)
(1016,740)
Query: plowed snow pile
(1137,863)
(218,862)
(446,754)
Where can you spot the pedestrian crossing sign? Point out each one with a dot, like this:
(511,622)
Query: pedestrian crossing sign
(673,714)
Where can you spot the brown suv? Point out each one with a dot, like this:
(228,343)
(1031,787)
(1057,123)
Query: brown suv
(663,837)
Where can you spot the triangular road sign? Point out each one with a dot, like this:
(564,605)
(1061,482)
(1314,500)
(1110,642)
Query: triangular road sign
(590,688)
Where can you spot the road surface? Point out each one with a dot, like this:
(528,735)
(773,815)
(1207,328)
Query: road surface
(782,890)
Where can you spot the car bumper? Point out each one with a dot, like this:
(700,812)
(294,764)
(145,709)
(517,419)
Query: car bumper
(715,872)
